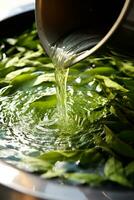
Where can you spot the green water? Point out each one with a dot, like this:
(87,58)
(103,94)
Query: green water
(91,128)
(40,111)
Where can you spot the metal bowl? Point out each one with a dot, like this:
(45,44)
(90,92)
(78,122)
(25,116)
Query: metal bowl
(16,184)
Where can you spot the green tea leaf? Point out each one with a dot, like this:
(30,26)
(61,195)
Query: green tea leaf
(82,178)
(54,156)
(35,165)
(111,84)
(18,72)
(117,145)
(44,78)
(129,169)
(114,171)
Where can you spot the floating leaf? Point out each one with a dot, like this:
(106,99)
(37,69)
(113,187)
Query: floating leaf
(85,178)
(44,78)
(16,73)
(111,84)
(117,145)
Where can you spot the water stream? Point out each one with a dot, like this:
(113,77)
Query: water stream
(63,53)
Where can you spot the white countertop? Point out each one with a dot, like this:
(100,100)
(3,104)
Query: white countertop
(7,7)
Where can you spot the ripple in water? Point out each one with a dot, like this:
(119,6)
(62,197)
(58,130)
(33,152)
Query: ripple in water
(27,130)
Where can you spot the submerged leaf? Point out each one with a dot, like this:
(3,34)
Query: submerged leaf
(54,156)
(85,178)
(117,145)
(44,78)
(35,165)
(18,72)
(129,169)
(114,171)
(111,84)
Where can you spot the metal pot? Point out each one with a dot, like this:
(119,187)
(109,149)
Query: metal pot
(112,20)
(16,184)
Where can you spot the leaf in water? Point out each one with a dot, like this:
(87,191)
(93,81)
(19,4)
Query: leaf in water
(5,90)
(100,143)
(22,80)
(32,55)
(113,166)
(49,65)
(44,78)
(18,72)
(11,62)
(117,145)
(90,157)
(129,169)
(54,156)
(11,41)
(111,84)
(106,71)
(28,41)
(45,102)
(60,168)
(52,174)
(35,165)
(127,68)
(45,61)
(115,172)
(85,178)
